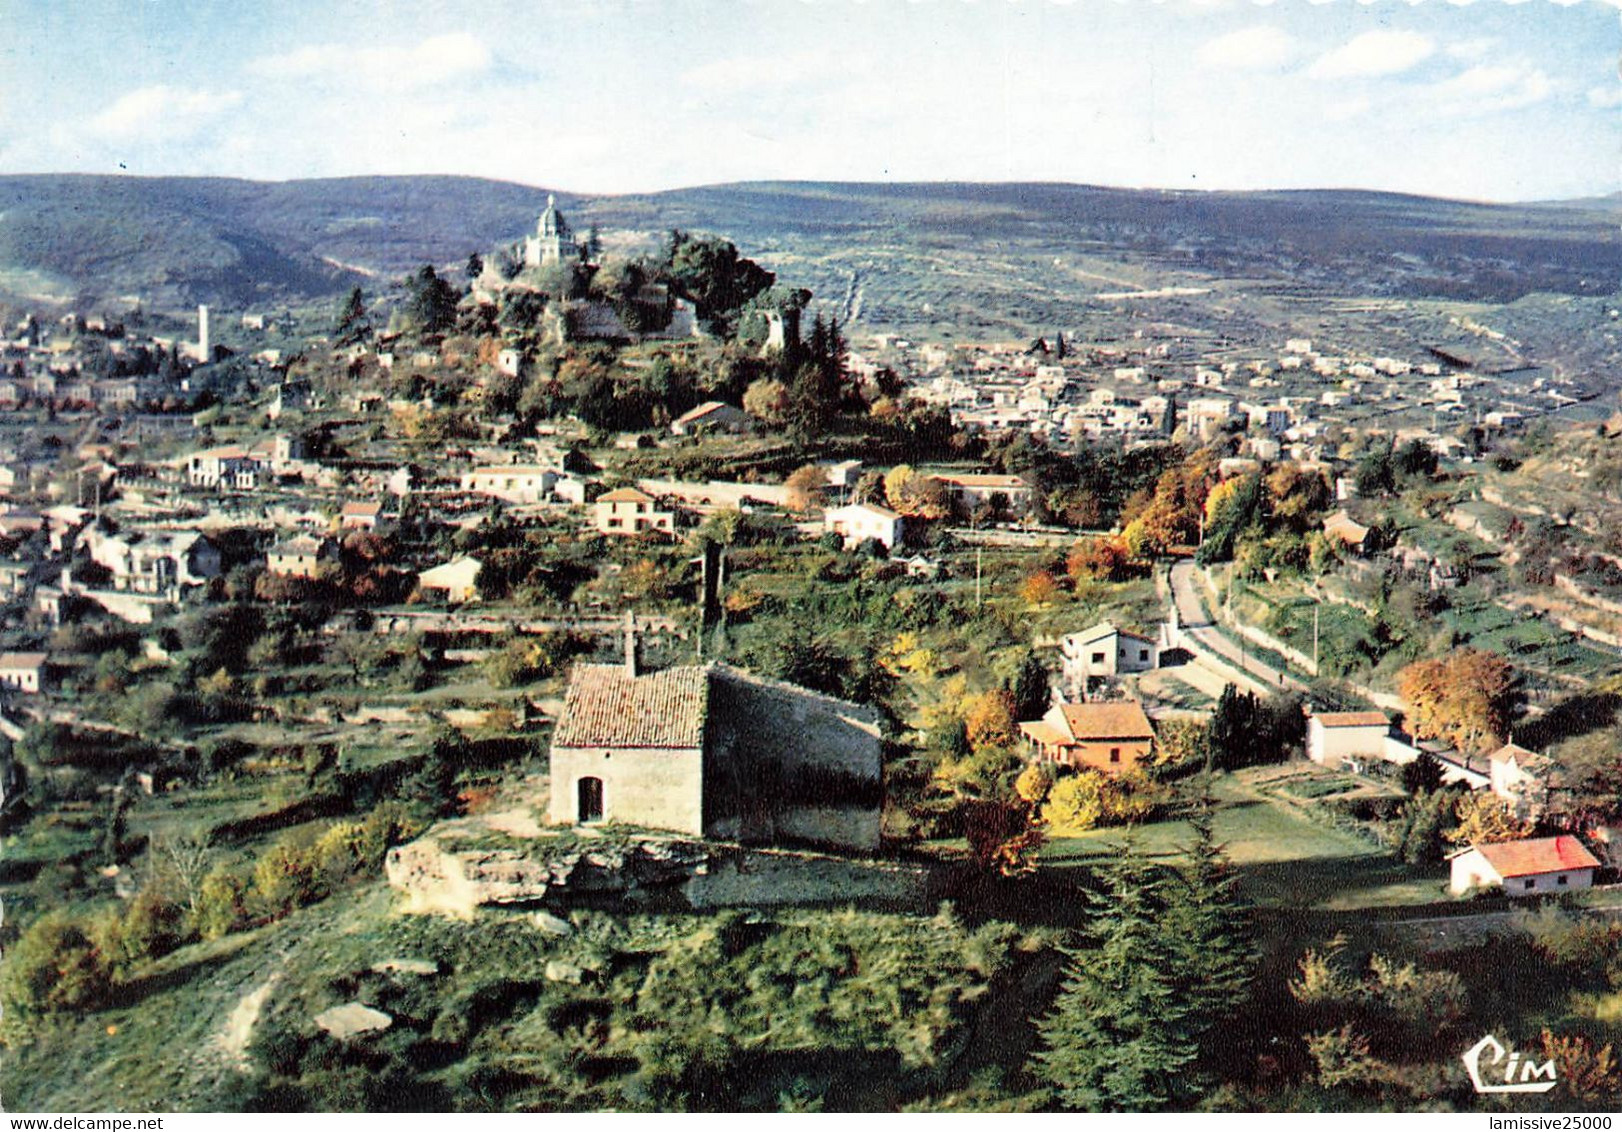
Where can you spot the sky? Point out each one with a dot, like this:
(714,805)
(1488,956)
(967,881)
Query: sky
(1490,100)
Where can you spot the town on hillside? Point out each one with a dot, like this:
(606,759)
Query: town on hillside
(597,675)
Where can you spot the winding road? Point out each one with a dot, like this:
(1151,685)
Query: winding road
(1214,650)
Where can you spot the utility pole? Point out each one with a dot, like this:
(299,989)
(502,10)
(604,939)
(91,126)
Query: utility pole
(977,550)
(1315,610)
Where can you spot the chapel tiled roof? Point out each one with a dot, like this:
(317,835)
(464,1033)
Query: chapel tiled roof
(608,707)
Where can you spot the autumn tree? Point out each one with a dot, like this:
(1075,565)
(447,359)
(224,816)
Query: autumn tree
(767,399)
(990,720)
(1038,588)
(1101,559)
(916,495)
(805,486)
(1483,818)
(1588,1074)
(1468,699)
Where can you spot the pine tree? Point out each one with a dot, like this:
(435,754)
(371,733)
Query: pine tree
(1208,923)
(353,326)
(1120,1035)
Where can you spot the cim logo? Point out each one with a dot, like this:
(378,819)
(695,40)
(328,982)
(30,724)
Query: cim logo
(1494,1068)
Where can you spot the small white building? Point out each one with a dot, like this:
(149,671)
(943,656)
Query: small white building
(1521,778)
(24,671)
(1525,868)
(356,516)
(862,521)
(1103,651)
(514,483)
(457,579)
(1334,737)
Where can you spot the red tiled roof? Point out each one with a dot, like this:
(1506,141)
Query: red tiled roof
(607,707)
(1540,855)
(1044,733)
(1107,721)
(625,495)
(1353,719)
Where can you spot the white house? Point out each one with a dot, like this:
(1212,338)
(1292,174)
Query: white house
(1525,868)
(973,489)
(515,483)
(357,516)
(1334,737)
(862,521)
(24,671)
(1104,650)
(229,467)
(628,511)
(153,561)
(456,579)
(1520,778)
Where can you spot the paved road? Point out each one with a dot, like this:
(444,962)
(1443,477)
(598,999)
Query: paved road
(1212,647)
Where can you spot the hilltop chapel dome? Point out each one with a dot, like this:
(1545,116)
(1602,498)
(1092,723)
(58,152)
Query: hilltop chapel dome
(551,242)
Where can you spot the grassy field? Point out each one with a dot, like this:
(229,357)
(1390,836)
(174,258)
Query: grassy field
(1284,858)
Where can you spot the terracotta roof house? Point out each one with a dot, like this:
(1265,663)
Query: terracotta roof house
(712,751)
(974,488)
(300,556)
(1348,532)
(1109,737)
(1525,868)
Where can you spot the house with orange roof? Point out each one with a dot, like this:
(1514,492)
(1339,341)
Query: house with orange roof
(1530,867)
(1107,737)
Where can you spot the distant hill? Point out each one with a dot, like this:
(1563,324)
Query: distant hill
(235,242)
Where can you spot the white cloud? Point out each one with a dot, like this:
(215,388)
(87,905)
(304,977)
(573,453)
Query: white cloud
(1349,109)
(1261,46)
(749,72)
(1487,88)
(437,59)
(1605,97)
(1470,48)
(161,110)
(1374,53)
